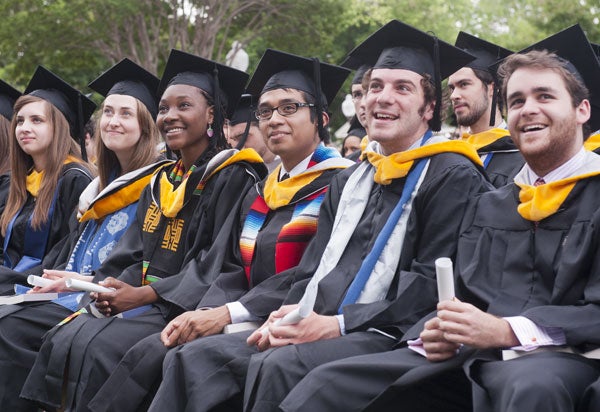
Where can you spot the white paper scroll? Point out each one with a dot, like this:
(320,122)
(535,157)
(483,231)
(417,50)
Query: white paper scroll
(34,280)
(445,278)
(86,286)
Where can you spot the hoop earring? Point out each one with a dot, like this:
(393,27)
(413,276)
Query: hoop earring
(210,132)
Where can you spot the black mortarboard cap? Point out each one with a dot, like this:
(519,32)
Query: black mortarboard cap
(277,70)
(486,54)
(244,113)
(572,45)
(8,97)
(596,48)
(357,131)
(192,70)
(400,46)
(281,70)
(75,106)
(128,78)
(359,74)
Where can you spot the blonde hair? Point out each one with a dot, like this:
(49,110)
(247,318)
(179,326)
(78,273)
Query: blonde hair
(144,153)
(61,146)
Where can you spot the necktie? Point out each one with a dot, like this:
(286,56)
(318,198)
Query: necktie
(538,182)
(285,176)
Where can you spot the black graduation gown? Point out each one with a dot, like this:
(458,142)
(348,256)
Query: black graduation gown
(132,384)
(23,326)
(93,346)
(505,163)
(432,232)
(75,178)
(508,267)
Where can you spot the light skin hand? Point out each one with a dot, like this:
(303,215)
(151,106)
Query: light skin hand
(312,328)
(58,277)
(262,341)
(125,297)
(437,348)
(193,324)
(463,323)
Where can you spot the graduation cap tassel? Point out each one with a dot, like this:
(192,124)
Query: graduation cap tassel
(81,127)
(319,104)
(217,111)
(436,123)
(249,120)
(494,105)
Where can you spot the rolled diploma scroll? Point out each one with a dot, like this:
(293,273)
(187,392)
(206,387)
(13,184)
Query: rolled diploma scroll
(290,318)
(34,280)
(86,286)
(445,278)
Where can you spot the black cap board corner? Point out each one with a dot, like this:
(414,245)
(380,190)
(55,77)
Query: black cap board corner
(8,97)
(128,78)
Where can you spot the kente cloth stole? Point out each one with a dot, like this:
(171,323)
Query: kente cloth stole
(293,237)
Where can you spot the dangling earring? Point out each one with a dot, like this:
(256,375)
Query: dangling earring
(210,131)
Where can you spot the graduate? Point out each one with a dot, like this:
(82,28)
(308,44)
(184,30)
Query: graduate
(474,96)
(343,296)
(277,220)
(243,132)
(179,216)
(126,148)
(48,173)
(527,266)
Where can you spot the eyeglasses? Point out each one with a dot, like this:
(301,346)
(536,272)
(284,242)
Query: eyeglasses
(286,109)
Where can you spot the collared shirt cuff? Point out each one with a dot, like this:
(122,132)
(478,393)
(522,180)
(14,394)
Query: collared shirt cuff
(239,313)
(340,319)
(532,336)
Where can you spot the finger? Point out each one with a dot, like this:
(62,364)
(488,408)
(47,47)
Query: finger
(458,338)
(454,306)
(165,334)
(463,329)
(440,356)
(254,337)
(432,323)
(455,317)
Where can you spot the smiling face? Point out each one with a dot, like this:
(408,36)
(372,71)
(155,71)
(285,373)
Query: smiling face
(292,137)
(397,114)
(33,129)
(183,119)
(542,121)
(471,98)
(119,125)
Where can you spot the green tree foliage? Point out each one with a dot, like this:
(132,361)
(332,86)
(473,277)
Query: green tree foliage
(80,38)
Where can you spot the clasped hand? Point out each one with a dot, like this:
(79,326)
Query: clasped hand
(459,323)
(124,297)
(312,328)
